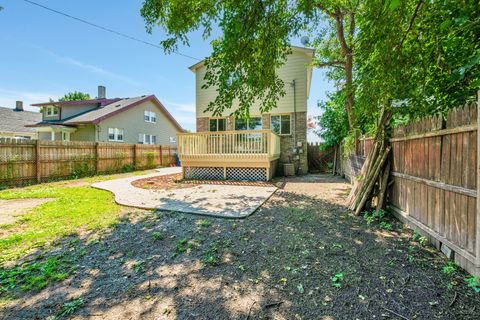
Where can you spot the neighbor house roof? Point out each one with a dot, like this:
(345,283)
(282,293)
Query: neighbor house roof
(12,120)
(106,108)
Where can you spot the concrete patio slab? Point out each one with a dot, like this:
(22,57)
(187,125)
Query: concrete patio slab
(226,201)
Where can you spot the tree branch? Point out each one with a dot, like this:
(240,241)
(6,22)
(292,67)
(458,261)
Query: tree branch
(335,63)
(410,26)
(340,32)
(326,11)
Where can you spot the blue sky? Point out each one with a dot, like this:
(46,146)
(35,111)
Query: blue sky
(44,55)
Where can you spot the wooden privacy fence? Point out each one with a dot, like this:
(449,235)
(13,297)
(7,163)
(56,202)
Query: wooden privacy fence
(35,161)
(434,174)
(320,160)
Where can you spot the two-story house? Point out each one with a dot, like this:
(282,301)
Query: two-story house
(255,149)
(132,120)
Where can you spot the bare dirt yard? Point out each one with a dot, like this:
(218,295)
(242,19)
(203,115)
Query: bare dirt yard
(302,255)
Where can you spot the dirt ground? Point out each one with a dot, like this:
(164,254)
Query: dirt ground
(302,255)
(10,210)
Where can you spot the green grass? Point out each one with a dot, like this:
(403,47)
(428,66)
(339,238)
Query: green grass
(72,209)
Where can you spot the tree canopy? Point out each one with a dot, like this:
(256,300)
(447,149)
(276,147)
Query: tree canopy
(75,96)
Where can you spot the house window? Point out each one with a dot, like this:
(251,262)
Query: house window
(150,116)
(173,140)
(147,139)
(217,124)
(253,123)
(52,111)
(115,134)
(280,124)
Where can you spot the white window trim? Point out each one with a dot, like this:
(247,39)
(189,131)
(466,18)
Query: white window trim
(116,133)
(142,138)
(150,116)
(280,115)
(51,111)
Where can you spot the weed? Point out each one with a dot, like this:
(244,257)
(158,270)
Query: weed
(157,235)
(139,266)
(183,245)
(417,237)
(474,283)
(386,226)
(337,246)
(70,307)
(35,275)
(204,223)
(337,280)
(449,268)
(373,216)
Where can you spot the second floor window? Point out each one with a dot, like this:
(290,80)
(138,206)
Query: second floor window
(115,134)
(51,111)
(150,116)
(217,124)
(253,123)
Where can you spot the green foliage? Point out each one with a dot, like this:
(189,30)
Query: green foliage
(157,235)
(35,275)
(75,96)
(373,216)
(449,268)
(333,122)
(71,209)
(337,280)
(139,266)
(150,159)
(474,283)
(70,307)
(417,237)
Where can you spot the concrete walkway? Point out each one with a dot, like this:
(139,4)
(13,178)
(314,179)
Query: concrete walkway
(226,201)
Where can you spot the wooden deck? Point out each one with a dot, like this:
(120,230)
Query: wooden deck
(229,151)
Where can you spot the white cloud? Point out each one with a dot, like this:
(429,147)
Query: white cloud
(185,107)
(8,98)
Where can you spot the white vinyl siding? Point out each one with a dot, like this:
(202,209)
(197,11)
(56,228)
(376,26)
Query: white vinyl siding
(296,68)
(115,134)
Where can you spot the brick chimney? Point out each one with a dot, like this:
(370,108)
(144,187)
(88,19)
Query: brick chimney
(102,92)
(19,106)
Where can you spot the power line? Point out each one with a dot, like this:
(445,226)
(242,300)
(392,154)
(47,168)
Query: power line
(106,29)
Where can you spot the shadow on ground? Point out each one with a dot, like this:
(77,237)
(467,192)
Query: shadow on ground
(278,264)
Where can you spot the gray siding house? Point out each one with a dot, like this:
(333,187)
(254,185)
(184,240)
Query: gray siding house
(14,122)
(132,120)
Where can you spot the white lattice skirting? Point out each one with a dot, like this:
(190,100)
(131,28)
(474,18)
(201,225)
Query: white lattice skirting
(217,173)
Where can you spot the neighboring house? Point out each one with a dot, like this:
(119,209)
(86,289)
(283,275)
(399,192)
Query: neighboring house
(236,144)
(132,120)
(13,122)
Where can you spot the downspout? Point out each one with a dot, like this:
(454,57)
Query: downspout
(294,114)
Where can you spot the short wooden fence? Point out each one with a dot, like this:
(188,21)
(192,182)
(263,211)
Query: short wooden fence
(34,161)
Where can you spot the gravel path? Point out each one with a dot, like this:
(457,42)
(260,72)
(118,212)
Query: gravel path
(227,201)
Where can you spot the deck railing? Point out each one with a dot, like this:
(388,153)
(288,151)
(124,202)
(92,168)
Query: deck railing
(229,143)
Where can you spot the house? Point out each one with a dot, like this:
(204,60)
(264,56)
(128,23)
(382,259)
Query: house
(13,122)
(132,120)
(227,148)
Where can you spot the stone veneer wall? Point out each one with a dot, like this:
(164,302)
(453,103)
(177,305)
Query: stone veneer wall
(286,142)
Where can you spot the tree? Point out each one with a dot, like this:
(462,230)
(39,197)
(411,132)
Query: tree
(333,123)
(255,41)
(75,96)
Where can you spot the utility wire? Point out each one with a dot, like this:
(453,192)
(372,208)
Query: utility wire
(106,29)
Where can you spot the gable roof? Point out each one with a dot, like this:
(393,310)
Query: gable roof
(12,120)
(107,108)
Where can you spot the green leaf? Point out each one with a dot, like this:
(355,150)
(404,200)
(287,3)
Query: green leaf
(394,5)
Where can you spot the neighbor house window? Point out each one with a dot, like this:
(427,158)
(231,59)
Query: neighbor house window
(147,139)
(150,116)
(280,124)
(218,124)
(253,123)
(52,111)
(115,134)
(173,140)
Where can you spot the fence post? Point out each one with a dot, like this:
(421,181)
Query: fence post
(97,160)
(478,185)
(134,162)
(37,161)
(161,156)
(169,155)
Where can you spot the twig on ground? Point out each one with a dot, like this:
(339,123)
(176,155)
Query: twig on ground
(453,301)
(395,313)
(250,310)
(273,304)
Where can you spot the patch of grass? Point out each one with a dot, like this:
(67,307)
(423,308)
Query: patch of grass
(35,275)
(449,268)
(474,283)
(213,254)
(157,235)
(184,245)
(139,266)
(337,280)
(70,307)
(204,223)
(72,209)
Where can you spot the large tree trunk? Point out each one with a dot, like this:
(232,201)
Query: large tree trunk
(349,88)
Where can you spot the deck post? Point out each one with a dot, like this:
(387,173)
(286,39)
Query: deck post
(37,161)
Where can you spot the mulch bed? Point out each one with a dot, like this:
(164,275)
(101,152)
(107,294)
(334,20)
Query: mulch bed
(299,257)
(174,181)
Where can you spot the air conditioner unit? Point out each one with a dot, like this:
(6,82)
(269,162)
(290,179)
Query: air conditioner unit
(288,169)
